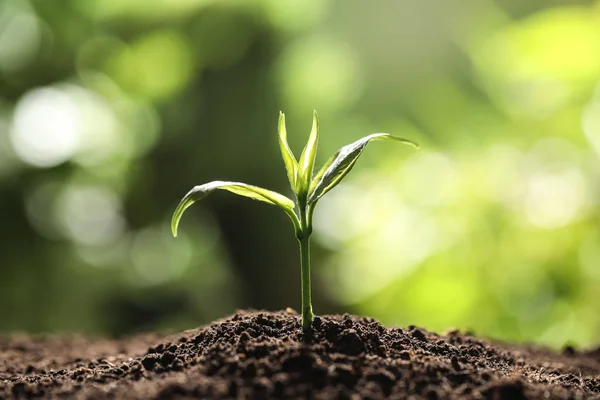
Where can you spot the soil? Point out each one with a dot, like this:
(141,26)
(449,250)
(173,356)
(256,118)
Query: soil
(265,355)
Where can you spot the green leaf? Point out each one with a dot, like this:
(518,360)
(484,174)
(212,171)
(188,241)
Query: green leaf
(242,189)
(338,166)
(291,165)
(307,159)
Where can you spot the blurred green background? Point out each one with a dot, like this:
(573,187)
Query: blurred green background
(111,110)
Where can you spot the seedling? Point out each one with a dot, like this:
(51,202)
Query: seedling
(307,189)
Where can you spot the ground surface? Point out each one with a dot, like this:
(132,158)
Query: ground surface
(264,355)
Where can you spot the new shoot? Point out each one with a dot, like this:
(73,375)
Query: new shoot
(308,189)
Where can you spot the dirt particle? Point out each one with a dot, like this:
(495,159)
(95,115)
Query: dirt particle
(172,348)
(317,323)
(171,391)
(350,343)
(348,321)
(569,351)
(345,375)
(244,337)
(19,390)
(455,363)
(419,335)
(384,378)
(249,369)
(167,358)
(178,365)
(199,338)
(280,380)
(262,388)
(149,362)
(298,363)
(505,390)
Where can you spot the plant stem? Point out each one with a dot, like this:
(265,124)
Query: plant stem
(303,236)
(307,314)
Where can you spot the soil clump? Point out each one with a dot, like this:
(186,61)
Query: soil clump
(265,355)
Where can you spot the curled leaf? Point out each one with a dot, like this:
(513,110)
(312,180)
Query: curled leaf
(307,159)
(242,189)
(291,165)
(338,166)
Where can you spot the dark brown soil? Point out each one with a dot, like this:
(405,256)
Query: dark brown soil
(264,355)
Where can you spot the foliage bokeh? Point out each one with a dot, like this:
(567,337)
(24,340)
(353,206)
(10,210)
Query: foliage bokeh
(110,111)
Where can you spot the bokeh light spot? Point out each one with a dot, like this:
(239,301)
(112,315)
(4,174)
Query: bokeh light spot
(157,258)
(90,215)
(590,121)
(430,179)
(521,68)
(555,189)
(372,222)
(102,135)
(46,128)
(332,225)
(155,66)
(293,15)
(553,200)
(504,163)
(320,73)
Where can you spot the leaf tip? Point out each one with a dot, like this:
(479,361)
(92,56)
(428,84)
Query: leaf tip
(281,124)
(174,228)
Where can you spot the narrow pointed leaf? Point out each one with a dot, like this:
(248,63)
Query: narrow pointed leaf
(338,166)
(307,159)
(291,165)
(242,189)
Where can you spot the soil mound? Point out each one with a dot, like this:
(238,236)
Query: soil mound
(265,355)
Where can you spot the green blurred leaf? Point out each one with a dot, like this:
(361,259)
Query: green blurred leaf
(338,166)
(307,159)
(242,189)
(291,165)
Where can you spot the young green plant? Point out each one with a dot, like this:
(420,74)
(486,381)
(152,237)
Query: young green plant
(308,189)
